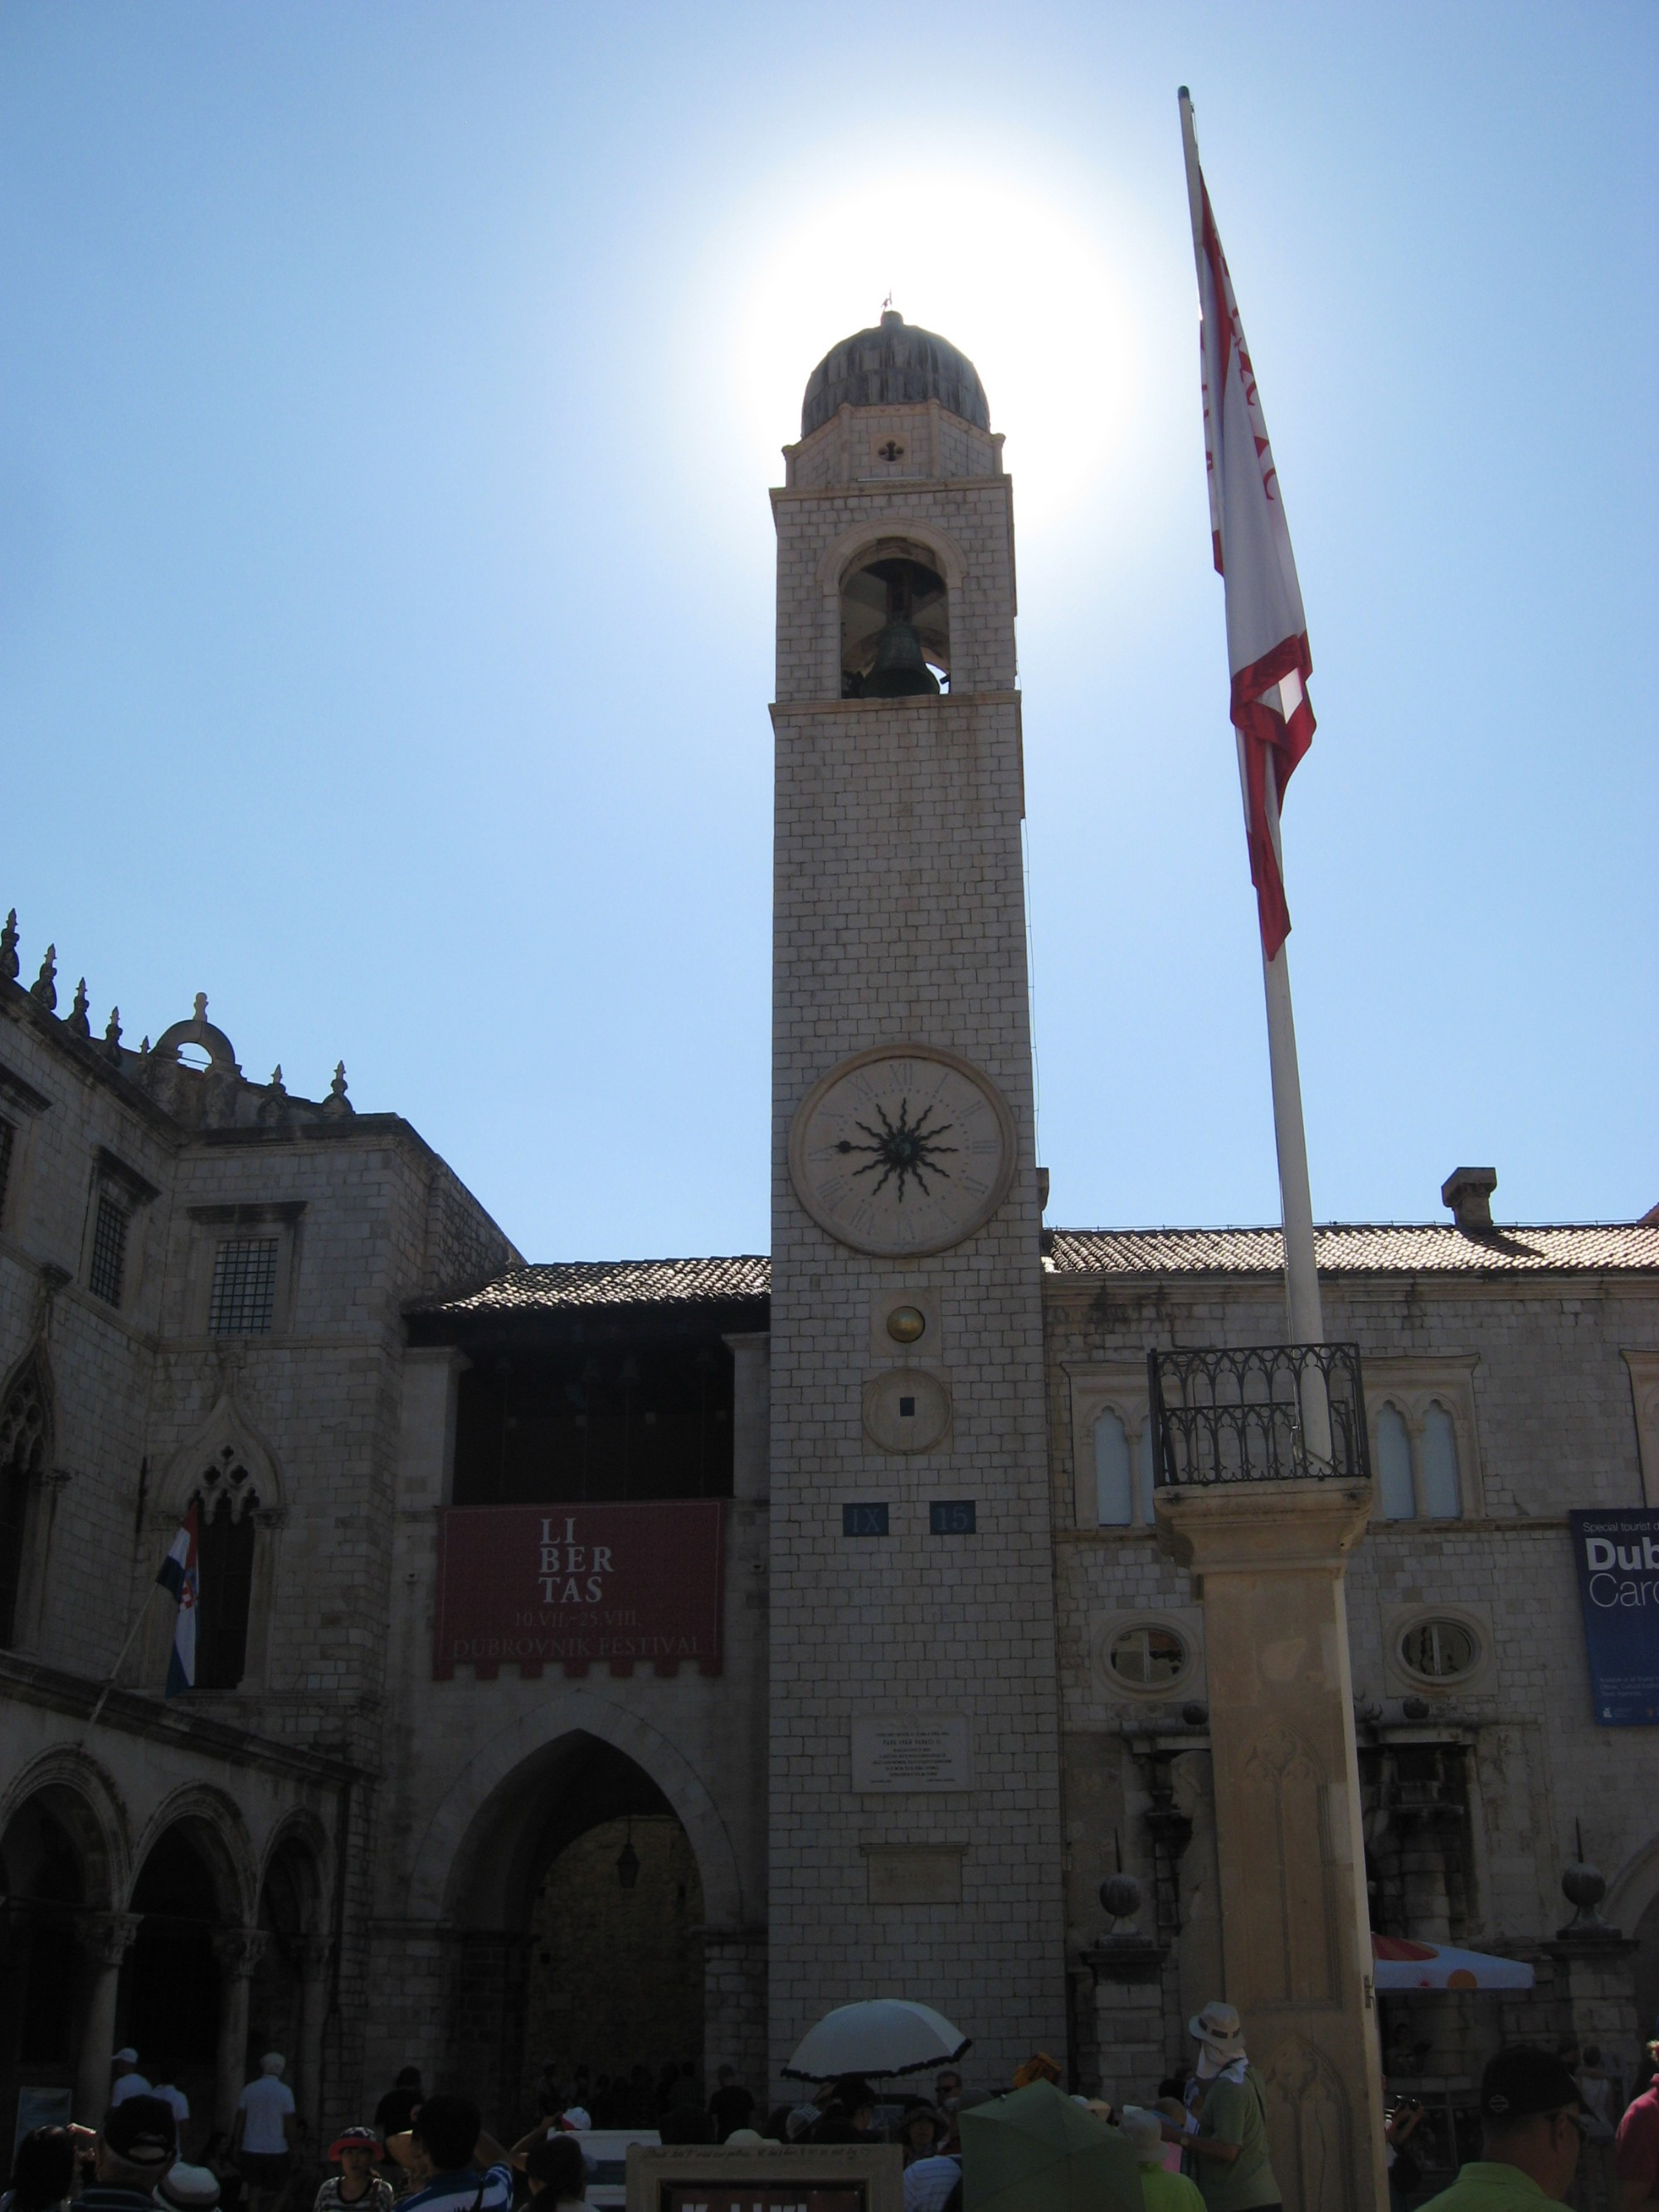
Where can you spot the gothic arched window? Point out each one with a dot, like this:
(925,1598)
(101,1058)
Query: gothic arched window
(25,1436)
(227,1532)
(1393,1465)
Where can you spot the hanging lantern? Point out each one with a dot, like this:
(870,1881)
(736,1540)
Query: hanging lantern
(628,1862)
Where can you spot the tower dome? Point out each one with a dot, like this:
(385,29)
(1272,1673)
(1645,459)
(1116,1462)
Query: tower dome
(895,364)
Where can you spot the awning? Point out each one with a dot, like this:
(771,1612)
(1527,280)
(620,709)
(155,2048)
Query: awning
(1402,1965)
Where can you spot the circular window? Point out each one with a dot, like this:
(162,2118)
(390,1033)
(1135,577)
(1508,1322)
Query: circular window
(1147,1657)
(1438,1650)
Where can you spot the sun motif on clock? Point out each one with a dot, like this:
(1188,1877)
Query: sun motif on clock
(904,1148)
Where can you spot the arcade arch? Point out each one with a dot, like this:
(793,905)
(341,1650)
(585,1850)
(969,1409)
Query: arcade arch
(579,1897)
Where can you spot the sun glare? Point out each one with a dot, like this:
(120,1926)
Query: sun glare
(1008,275)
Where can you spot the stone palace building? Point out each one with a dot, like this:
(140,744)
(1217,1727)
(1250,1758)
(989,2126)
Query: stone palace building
(628,1660)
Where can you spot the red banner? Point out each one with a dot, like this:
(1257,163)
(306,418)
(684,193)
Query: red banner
(579,1586)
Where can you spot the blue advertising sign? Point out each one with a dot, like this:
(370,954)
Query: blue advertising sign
(1617,1556)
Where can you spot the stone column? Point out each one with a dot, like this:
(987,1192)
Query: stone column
(238,1951)
(105,1938)
(313,1955)
(751,1414)
(1269,1558)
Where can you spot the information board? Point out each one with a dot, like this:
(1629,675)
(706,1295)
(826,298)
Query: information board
(580,1586)
(1618,1561)
(765,2178)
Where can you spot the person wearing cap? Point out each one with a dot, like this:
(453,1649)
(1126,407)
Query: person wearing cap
(138,2141)
(1163,2192)
(264,2134)
(127,2080)
(188,2189)
(355,2150)
(1226,2125)
(1636,2147)
(1531,2129)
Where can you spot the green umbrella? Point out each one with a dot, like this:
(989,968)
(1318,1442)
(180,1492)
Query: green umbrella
(1035,2150)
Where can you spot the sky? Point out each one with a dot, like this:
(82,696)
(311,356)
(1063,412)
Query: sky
(389,395)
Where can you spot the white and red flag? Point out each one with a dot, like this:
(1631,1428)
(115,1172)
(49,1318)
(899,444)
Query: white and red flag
(1267,632)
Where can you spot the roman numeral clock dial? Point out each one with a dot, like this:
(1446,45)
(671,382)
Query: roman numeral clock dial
(903,1150)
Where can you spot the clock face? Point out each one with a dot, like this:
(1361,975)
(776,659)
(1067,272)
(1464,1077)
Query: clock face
(902,1150)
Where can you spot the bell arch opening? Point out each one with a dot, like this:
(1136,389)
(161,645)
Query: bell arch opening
(895,625)
(579,1909)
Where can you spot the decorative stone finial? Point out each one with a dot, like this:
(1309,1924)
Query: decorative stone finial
(144,1049)
(201,1007)
(336,1103)
(43,987)
(113,1034)
(276,1083)
(77,1013)
(9,948)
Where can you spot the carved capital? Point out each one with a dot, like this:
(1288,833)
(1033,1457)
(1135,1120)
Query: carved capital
(106,1937)
(239,1950)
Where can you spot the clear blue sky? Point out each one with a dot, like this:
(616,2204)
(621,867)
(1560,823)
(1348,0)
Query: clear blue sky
(388,398)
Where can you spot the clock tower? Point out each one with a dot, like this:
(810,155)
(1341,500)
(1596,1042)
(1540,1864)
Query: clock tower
(915,1825)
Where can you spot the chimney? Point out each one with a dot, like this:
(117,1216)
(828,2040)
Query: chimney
(1469,1192)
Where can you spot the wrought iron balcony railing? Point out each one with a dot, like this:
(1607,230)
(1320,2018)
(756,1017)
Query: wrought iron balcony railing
(1260,1413)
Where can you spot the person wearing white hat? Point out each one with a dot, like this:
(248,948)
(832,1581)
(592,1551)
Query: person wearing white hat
(128,2081)
(188,2189)
(1162,2190)
(1227,2126)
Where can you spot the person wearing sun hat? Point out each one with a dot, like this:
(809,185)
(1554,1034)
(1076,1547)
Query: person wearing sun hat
(1226,2125)
(357,2186)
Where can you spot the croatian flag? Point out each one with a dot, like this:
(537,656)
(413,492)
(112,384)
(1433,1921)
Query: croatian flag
(181,1575)
(1267,632)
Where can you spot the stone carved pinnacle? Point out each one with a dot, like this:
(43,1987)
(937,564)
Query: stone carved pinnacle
(106,1937)
(43,987)
(200,1014)
(9,948)
(77,1013)
(336,1103)
(113,1034)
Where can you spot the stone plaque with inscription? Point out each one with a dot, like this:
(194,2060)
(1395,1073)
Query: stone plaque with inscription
(920,1753)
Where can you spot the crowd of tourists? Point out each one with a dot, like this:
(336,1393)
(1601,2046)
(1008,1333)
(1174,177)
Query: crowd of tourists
(1200,2144)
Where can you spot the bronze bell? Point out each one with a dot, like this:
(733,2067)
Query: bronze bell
(898,671)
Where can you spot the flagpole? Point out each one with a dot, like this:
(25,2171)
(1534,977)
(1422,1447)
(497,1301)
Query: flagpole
(1303,1312)
(1307,1321)
(131,1634)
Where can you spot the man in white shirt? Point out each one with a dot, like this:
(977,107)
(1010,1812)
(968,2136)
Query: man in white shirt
(166,2088)
(264,2133)
(128,2081)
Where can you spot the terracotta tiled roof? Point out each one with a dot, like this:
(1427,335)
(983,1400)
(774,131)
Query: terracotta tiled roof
(566,1283)
(1343,1248)
(1362,1248)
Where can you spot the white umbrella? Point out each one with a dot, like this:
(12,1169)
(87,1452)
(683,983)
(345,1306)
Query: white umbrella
(880,2036)
(1401,1964)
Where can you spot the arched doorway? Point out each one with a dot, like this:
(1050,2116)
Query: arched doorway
(170,1985)
(41,1968)
(580,1910)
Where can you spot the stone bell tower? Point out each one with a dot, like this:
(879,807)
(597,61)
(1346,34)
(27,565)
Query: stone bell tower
(914,1795)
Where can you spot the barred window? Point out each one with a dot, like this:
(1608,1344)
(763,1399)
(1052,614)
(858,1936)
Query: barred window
(109,1250)
(244,1287)
(7,1138)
